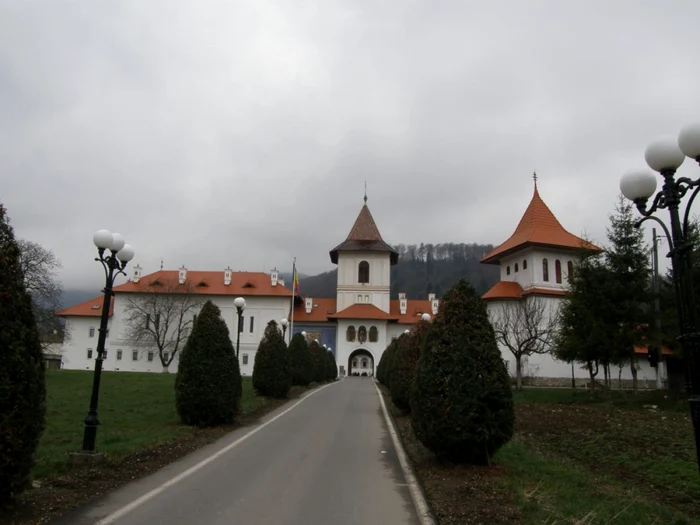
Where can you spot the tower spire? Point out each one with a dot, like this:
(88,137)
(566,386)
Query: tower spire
(365,192)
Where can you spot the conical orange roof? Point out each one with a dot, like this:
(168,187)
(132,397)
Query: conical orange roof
(538,227)
(364,236)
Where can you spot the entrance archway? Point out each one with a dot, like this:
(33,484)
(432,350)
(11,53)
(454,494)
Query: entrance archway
(361,362)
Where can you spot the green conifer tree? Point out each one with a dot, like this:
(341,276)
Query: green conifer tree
(405,360)
(272,373)
(301,362)
(208,384)
(461,400)
(22,387)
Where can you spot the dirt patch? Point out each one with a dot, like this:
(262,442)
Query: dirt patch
(458,494)
(53,497)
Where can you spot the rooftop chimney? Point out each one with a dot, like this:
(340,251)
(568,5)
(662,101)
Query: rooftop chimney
(274,277)
(137,273)
(435,304)
(309,304)
(403,303)
(227,276)
(182,275)
(431,296)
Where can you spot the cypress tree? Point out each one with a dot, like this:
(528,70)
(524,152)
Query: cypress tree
(22,386)
(331,367)
(461,400)
(208,384)
(405,360)
(272,372)
(300,359)
(319,359)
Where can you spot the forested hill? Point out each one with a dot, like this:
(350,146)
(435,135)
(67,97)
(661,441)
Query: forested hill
(422,269)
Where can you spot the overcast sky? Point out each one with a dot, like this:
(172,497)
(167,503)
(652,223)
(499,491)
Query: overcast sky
(215,133)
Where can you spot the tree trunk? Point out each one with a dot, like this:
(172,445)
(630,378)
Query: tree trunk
(619,379)
(606,378)
(590,372)
(634,376)
(165,369)
(518,373)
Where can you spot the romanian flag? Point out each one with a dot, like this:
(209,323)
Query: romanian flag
(295,280)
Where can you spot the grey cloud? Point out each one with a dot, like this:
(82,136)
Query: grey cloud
(241,133)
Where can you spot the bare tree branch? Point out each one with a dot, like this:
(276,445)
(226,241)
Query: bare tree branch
(162,319)
(39,267)
(526,327)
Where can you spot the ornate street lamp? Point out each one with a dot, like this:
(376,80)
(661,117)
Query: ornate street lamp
(113,263)
(665,155)
(425,317)
(239,303)
(284,324)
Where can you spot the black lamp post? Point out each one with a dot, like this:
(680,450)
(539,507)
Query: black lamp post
(113,264)
(239,303)
(665,155)
(284,324)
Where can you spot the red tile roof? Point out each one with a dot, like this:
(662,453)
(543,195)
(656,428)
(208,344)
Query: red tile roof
(92,308)
(326,312)
(363,311)
(364,236)
(510,290)
(538,227)
(208,283)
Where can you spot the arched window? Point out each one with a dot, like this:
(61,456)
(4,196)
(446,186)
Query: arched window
(507,270)
(362,335)
(363,272)
(516,267)
(557,270)
(373,334)
(570,271)
(350,333)
(545,270)
(524,264)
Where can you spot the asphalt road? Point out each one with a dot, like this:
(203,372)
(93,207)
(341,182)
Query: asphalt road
(329,460)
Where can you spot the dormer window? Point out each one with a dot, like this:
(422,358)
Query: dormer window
(363,273)
(545,270)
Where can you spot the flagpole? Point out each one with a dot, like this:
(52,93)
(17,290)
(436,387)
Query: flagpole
(291,316)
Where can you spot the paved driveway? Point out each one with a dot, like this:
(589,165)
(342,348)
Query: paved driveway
(328,460)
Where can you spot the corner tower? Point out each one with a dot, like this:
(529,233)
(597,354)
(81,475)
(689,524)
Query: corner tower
(364,265)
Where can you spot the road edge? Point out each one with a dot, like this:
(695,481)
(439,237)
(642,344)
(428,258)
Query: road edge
(425,515)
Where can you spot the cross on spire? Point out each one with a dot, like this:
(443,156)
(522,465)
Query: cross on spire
(534,177)
(365,192)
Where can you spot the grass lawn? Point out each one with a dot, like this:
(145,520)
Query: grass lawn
(619,459)
(136,411)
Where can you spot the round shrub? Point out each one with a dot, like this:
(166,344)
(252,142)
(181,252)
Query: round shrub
(272,372)
(300,360)
(461,400)
(208,384)
(404,364)
(22,387)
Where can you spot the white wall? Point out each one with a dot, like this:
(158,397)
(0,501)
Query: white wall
(261,309)
(379,284)
(533,274)
(546,366)
(344,348)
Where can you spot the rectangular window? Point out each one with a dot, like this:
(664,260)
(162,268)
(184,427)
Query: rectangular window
(157,320)
(252,323)
(166,355)
(92,331)
(119,355)
(148,321)
(134,356)
(245,359)
(366,298)
(359,298)
(104,354)
(150,356)
(89,353)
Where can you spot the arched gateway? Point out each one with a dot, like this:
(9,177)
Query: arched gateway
(361,361)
